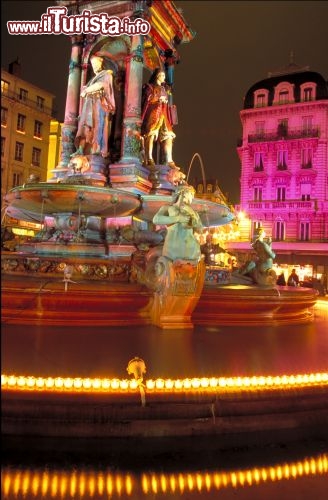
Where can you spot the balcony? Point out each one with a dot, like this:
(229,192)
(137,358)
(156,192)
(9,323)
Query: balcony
(295,133)
(290,205)
(13,96)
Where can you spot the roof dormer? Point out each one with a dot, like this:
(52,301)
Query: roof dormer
(283,94)
(308,91)
(261,98)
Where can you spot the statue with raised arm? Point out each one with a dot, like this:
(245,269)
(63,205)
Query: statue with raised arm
(260,270)
(183,223)
(177,273)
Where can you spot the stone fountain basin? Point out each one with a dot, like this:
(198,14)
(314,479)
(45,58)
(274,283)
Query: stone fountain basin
(34,201)
(211,213)
(31,203)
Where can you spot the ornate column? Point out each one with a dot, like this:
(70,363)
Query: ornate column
(131,145)
(72,105)
(129,173)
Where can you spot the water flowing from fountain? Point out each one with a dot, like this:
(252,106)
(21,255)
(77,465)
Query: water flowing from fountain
(197,155)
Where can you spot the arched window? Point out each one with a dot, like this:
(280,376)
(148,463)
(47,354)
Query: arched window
(308,91)
(261,98)
(283,93)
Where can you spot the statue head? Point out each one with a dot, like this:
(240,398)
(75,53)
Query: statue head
(157,75)
(260,233)
(184,193)
(96,63)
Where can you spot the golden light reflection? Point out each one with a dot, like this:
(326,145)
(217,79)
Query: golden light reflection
(190,385)
(101,484)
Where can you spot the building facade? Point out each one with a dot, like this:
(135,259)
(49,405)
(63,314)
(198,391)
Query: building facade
(284,168)
(26,112)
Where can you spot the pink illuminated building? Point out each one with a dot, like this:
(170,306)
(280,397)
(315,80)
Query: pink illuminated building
(284,167)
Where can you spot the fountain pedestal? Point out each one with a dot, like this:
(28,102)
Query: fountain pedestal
(130,177)
(178,289)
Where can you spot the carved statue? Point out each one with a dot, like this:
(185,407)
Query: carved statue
(260,270)
(97,109)
(183,222)
(176,274)
(156,118)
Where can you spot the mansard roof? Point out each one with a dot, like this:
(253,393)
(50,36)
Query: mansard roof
(295,78)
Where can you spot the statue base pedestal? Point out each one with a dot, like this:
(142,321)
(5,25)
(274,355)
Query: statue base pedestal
(179,286)
(131,177)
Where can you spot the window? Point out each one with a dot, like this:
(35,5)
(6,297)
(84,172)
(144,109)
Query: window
(37,129)
(200,188)
(308,94)
(283,93)
(40,102)
(258,162)
(3,145)
(283,127)
(21,123)
(282,159)
(304,231)
(308,91)
(306,158)
(36,157)
(19,151)
(256,225)
(23,94)
(4,87)
(261,98)
(4,116)
(280,230)
(259,128)
(17,179)
(306,191)
(283,97)
(281,193)
(257,194)
(307,124)
(209,188)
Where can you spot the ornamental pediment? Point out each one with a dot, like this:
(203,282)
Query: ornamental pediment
(306,177)
(257,179)
(283,179)
(282,175)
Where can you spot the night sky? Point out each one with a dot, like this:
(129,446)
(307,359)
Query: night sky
(236,44)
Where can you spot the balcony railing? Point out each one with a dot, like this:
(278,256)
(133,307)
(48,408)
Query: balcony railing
(13,96)
(296,133)
(283,205)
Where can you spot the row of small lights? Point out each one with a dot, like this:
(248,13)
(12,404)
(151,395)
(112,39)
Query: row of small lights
(20,382)
(92,484)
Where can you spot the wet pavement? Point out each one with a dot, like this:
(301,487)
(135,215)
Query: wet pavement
(203,352)
(293,470)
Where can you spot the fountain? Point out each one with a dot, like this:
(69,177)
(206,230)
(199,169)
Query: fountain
(97,211)
(105,256)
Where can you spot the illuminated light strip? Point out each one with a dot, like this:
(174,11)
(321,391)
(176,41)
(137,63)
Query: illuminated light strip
(209,385)
(100,484)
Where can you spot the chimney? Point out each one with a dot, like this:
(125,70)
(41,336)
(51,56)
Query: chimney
(15,68)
